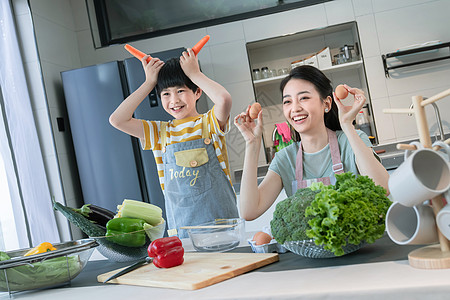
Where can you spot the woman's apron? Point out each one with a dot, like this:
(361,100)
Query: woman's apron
(338,167)
(196,188)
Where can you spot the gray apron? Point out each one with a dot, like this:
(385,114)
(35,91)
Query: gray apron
(338,167)
(196,188)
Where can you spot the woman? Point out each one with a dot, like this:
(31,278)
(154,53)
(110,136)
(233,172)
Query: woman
(326,142)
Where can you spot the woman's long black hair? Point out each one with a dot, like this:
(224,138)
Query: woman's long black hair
(323,87)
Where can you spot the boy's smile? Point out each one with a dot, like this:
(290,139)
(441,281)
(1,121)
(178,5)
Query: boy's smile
(180,101)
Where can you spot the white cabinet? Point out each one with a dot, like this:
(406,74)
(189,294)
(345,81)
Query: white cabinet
(278,53)
(263,220)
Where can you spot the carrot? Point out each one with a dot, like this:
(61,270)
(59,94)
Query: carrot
(200,44)
(136,53)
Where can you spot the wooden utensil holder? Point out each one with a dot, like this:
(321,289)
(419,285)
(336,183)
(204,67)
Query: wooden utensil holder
(434,256)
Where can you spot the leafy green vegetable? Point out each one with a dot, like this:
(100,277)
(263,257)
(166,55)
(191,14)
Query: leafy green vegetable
(289,222)
(351,211)
(40,274)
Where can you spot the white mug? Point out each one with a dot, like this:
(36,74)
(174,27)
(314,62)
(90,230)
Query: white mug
(411,225)
(443,217)
(423,175)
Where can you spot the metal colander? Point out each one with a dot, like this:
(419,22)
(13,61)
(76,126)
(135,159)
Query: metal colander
(308,248)
(118,253)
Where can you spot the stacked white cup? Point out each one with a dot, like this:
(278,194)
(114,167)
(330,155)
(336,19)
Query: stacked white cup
(423,175)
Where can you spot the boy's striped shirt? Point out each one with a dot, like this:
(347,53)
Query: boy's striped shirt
(184,130)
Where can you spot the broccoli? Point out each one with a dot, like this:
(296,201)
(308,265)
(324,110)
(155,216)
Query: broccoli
(352,211)
(289,222)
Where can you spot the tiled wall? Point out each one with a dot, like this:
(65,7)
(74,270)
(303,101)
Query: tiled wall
(65,42)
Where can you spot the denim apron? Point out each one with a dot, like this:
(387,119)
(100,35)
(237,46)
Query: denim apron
(196,188)
(338,167)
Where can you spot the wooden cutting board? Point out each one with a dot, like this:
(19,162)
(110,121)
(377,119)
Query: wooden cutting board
(198,270)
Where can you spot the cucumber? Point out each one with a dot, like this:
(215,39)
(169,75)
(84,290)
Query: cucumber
(78,220)
(108,249)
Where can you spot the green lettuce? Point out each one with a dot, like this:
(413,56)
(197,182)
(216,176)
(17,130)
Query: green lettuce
(351,211)
(40,274)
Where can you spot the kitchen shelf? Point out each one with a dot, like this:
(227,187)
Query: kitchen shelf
(413,51)
(278,53)
(335,68)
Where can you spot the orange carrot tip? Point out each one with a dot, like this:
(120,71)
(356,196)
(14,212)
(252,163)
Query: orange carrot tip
(196,49)
(136,53)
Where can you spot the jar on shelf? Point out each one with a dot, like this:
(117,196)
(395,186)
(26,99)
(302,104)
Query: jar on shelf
(264,72)
(256,74)
(273,73)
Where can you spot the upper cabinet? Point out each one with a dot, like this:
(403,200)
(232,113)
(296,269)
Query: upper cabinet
(335,50)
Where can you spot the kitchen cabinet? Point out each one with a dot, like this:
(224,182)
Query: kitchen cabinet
(279,52)
(264,220)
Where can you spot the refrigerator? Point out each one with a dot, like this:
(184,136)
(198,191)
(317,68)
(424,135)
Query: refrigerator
(111,164)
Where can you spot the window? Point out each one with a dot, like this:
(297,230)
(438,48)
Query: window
(27,217)
(118,21)
(8,230)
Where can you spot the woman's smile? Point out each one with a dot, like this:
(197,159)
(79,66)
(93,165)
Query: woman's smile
(298,119)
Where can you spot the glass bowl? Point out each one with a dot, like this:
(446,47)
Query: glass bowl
(217,236)
(47,269)
(119,253)
(308,248)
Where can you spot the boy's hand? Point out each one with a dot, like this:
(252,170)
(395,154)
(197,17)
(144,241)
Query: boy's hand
(151,69)
(189,63)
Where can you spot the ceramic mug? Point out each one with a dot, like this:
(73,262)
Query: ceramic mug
(423,175)
(443,217)
(411,225)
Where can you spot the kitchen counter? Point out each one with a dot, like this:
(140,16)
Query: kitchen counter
(376,271)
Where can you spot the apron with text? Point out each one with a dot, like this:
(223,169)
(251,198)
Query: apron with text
(196,188)
(338,167)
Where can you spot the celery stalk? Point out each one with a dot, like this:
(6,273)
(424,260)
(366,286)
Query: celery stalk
(150,213)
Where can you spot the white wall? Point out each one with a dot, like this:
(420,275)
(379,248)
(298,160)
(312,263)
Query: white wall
(65,42)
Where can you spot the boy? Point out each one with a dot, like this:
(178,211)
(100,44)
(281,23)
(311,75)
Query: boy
(190,151)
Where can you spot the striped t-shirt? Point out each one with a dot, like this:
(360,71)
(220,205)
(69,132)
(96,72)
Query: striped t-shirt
(184,130)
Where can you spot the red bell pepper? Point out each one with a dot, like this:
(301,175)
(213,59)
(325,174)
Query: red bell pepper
(167,252)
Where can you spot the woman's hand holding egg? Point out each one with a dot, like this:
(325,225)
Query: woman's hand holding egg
(348,113)
(254,110)
(341,92)
(250,130)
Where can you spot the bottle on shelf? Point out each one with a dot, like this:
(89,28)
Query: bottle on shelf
(362,123)
(256,74)
(264,72)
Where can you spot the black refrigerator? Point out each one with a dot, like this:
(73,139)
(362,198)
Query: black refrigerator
(111,164)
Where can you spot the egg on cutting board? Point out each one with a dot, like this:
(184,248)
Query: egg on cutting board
(261,238)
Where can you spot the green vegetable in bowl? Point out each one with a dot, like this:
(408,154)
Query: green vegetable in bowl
(351,211)
(289,222)
(40,274)
(127,232)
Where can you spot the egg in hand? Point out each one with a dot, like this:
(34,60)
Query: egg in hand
(261,238)
(254,110)
(341,92)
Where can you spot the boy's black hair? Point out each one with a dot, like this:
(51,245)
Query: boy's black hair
(323,87)
(171,75)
